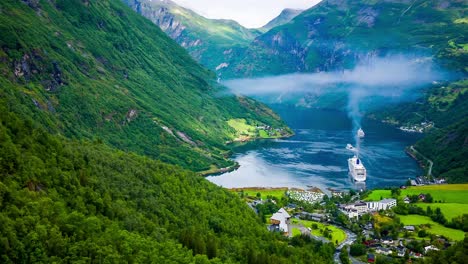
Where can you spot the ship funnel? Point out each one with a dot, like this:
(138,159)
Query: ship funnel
(357,161)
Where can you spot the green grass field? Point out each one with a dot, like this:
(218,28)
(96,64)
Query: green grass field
(450,210)
(263,134)
(448,193)
(241,126)
(337,233)
(377,194)
(296,231)
(436,228)
(265,192)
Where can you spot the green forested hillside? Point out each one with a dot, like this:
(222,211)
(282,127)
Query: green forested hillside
(97,70)
(335,34)
(65,201)
(446,145)
(448,149)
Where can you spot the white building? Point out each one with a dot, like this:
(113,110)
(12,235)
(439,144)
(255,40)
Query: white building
(281,220)
(429,248)
(385,204)
(355,210)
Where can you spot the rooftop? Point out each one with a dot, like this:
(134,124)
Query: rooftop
(385,201)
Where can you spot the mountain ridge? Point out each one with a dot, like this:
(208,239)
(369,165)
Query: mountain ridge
(334,35)
(284,17)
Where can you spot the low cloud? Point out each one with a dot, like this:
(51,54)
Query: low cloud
(381,76)
(393,78)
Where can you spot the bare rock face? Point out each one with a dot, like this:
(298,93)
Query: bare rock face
(131,115)
(34,67)
(34,4)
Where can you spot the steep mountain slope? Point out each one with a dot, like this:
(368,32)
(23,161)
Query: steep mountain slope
(97,70)
(284,17)
(209,41)
(448,150)
(446,106)
(65,201)
(334,34)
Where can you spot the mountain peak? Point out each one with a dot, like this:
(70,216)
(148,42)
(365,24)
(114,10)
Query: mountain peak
(284,17)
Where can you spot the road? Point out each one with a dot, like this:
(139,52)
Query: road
(429,171)
(350,238)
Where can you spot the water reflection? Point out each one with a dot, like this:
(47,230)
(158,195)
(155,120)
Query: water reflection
(316,156)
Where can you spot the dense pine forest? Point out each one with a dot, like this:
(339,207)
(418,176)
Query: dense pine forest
(81,201)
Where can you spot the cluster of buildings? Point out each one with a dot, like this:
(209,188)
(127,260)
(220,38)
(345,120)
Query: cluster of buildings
(424,126)
(357,209)
(305,196)
(389,247)
(422,180)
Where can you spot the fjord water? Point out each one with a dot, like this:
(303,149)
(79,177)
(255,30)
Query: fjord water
(316,154)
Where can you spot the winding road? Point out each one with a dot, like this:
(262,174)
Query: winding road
(350,238)
(429,171)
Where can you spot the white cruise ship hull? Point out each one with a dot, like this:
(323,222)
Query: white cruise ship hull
(357,170)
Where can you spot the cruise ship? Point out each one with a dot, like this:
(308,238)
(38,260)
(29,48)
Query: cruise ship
(360,133)
(357,169)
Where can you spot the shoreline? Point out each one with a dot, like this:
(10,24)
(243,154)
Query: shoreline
(219,171)
(310,189)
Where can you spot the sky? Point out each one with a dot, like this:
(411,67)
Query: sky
(249,13)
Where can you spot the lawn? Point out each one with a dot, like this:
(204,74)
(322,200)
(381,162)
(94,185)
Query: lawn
(265,192)
(241,126)
(296,231)
(337,233)
(263,134)
(450,210)
(376,195)
(436,228)
(448,193)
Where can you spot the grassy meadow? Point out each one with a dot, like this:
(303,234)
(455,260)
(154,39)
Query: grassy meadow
(450,210)
(337,233)
(447,193)
(265,192)
(453,197)
(435,228)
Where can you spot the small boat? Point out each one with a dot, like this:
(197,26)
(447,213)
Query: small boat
(357,169)
(349,147)
(360,133)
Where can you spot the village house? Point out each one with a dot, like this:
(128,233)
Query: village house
(313,216)
(430,248)
(409,228)
(383,251)
(280,222)
(406,200)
